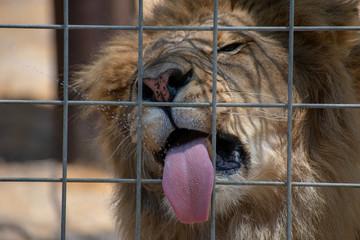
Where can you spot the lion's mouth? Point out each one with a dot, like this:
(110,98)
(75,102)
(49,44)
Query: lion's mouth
(188,174)
(230,154)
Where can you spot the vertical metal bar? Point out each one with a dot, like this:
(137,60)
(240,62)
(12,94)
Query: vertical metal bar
(65,119)
(139,127)
(289,123)
(213,115)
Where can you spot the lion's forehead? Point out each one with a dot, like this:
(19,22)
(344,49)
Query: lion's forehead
(175,41)
(202,40)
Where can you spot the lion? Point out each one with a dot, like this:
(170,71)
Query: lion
(247,177)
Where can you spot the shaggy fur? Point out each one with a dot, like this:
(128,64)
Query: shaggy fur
(326,146)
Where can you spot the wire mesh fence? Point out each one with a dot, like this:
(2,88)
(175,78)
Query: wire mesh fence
(65,102)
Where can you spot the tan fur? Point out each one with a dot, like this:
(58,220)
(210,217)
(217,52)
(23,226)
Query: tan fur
(326,146)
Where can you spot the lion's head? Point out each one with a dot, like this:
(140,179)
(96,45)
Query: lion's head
(251,140)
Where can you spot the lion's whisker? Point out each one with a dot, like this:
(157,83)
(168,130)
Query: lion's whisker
(122,141)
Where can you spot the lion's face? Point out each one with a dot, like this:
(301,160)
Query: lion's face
(251,69)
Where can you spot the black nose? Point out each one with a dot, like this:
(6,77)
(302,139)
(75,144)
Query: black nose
(164,87)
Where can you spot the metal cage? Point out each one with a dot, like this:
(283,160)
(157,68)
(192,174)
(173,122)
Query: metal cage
(65,102)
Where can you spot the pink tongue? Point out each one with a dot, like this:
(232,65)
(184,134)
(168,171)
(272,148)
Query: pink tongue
(188,181)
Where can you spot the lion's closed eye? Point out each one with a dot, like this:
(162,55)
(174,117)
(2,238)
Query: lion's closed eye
(231,48)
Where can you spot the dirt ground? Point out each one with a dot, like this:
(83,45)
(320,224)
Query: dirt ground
(31,210)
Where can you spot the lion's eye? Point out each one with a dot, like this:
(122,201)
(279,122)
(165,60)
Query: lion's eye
(231,48)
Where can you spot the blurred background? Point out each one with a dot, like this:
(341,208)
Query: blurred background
(31,66)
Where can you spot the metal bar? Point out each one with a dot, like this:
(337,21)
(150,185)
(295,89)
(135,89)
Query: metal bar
(308,184)
(181,104)
(40,102)
(158,181)
(297,184)
(70,27)
(65,120)
(212,28)
(327,28)
(33,26)
(140,104)
(29,179)
(213,115)
(325,105)
(182,28)
(146,104)
(289,121)
(139,127)
(294,28)
(103,27)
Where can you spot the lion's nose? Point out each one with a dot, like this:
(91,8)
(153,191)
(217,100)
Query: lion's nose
(164,87)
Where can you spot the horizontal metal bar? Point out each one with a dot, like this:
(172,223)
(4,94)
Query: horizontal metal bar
(267,105)
(327,28)
(40,102)
(100,180)
(164,28)
(106,103)
(326,105)
(183,28)
(71,27)
(29,179)
(297,184)
(77,180)
(158,181)
(263,183)
(33,26)
(74,180)
(211,28)
(103,27)
(309,184)
(298,28)
(180,104)
(111,180)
